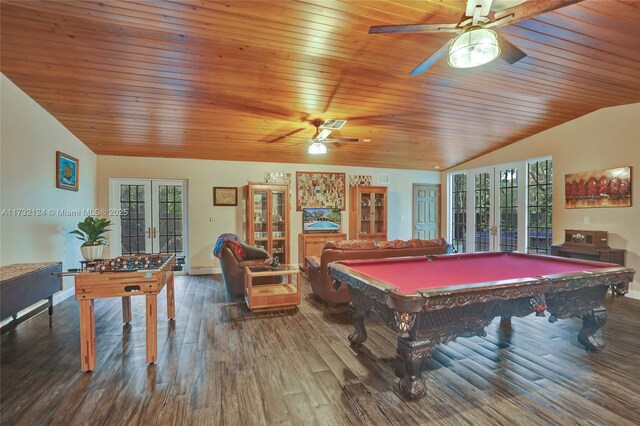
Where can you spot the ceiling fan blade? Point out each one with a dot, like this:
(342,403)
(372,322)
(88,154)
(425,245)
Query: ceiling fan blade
(414,28)
(431,60)
(286,135)
(526,10)
(509,52)
(341,140)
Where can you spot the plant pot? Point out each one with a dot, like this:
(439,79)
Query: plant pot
(91,252)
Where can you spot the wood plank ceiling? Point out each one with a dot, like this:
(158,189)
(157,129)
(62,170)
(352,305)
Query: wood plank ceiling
(230,80)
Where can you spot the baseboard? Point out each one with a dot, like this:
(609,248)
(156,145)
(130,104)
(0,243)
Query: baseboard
(63,295)
(204,271)
(634,294)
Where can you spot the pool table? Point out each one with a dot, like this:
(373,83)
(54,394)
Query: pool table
(434,299)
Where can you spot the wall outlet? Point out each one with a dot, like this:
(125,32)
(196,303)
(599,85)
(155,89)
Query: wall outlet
(585,219)
(210,218)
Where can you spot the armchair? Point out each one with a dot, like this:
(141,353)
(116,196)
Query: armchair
(233,267)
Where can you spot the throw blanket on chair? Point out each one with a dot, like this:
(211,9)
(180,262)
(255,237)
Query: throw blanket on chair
(232,241)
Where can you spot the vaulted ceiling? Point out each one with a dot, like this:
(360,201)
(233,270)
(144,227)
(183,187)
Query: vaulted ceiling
(242,80)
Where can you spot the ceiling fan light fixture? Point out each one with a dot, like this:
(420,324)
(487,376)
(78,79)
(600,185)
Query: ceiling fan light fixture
(474,47)
(317,148)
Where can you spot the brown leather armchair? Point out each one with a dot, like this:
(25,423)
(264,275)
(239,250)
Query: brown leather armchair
(233,267)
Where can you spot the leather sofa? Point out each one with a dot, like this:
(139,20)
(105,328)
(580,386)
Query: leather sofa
(233,267)
(361,249)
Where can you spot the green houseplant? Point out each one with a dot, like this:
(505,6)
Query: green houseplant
(91,230)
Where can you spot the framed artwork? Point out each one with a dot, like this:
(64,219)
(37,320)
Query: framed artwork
(67,171)
(225,196)
(318,189)
(360,180)
(601,188)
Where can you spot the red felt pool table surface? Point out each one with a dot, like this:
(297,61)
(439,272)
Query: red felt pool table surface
(418,273)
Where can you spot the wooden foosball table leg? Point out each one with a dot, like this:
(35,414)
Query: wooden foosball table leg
(152,328)
(126,309)
(87,336)
(171,299)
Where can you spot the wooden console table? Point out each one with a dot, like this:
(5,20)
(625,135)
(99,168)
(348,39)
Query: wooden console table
(311,244)
(609,255)
(25,284)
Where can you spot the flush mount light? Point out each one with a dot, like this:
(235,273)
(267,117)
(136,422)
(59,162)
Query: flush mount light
(476,46)
(317,148)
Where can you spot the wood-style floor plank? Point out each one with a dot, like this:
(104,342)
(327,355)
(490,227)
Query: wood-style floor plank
(220,364)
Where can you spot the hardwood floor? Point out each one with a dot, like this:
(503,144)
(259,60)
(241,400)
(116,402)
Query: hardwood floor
(220,364)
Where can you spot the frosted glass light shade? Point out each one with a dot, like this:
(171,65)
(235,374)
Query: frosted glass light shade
(474,48)
(317,148)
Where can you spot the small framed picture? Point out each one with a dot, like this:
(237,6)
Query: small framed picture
(67,171)
(225,196)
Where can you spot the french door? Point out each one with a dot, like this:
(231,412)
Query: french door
(152,216)
(496,216)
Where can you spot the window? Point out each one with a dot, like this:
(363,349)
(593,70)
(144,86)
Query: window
(539,206)
(459,212)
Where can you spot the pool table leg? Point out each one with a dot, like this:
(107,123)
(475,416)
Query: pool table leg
(413,354)
(591,322)
(359,336)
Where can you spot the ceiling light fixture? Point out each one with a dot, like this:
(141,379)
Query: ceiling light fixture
(476,46)
(317,148)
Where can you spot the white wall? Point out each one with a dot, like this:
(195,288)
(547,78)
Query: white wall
(203,175)
(29,139)
(604,139)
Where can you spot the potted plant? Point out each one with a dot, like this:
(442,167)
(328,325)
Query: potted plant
(92,231)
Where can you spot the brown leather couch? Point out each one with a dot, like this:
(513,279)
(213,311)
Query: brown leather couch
(233,267)
(360,249)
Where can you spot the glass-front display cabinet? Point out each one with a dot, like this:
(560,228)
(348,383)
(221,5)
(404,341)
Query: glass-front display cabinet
(368,213)
(268,218)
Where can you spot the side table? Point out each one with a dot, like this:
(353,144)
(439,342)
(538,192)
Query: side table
(284,295)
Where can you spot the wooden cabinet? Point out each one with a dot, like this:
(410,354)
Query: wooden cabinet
(368,213)
(267,218)
(311,244)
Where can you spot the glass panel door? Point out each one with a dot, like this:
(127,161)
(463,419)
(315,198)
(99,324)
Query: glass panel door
(365,213)
(483,213)
(153,217)
(507,221)
(278,234)
(168,222)
(260,219)
(133,226)
(378,213)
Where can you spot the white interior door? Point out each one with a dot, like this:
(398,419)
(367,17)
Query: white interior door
(425,211)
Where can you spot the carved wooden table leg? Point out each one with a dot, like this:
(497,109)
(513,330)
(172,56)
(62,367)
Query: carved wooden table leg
(590,324)
(360,335)
(413,353)
(87,336)
(152,328)
(505,322)
(126,309)
(171,300)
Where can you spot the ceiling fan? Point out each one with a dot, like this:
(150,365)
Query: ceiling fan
(477,43)
(317,144)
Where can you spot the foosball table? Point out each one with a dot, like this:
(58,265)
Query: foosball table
(125,276)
